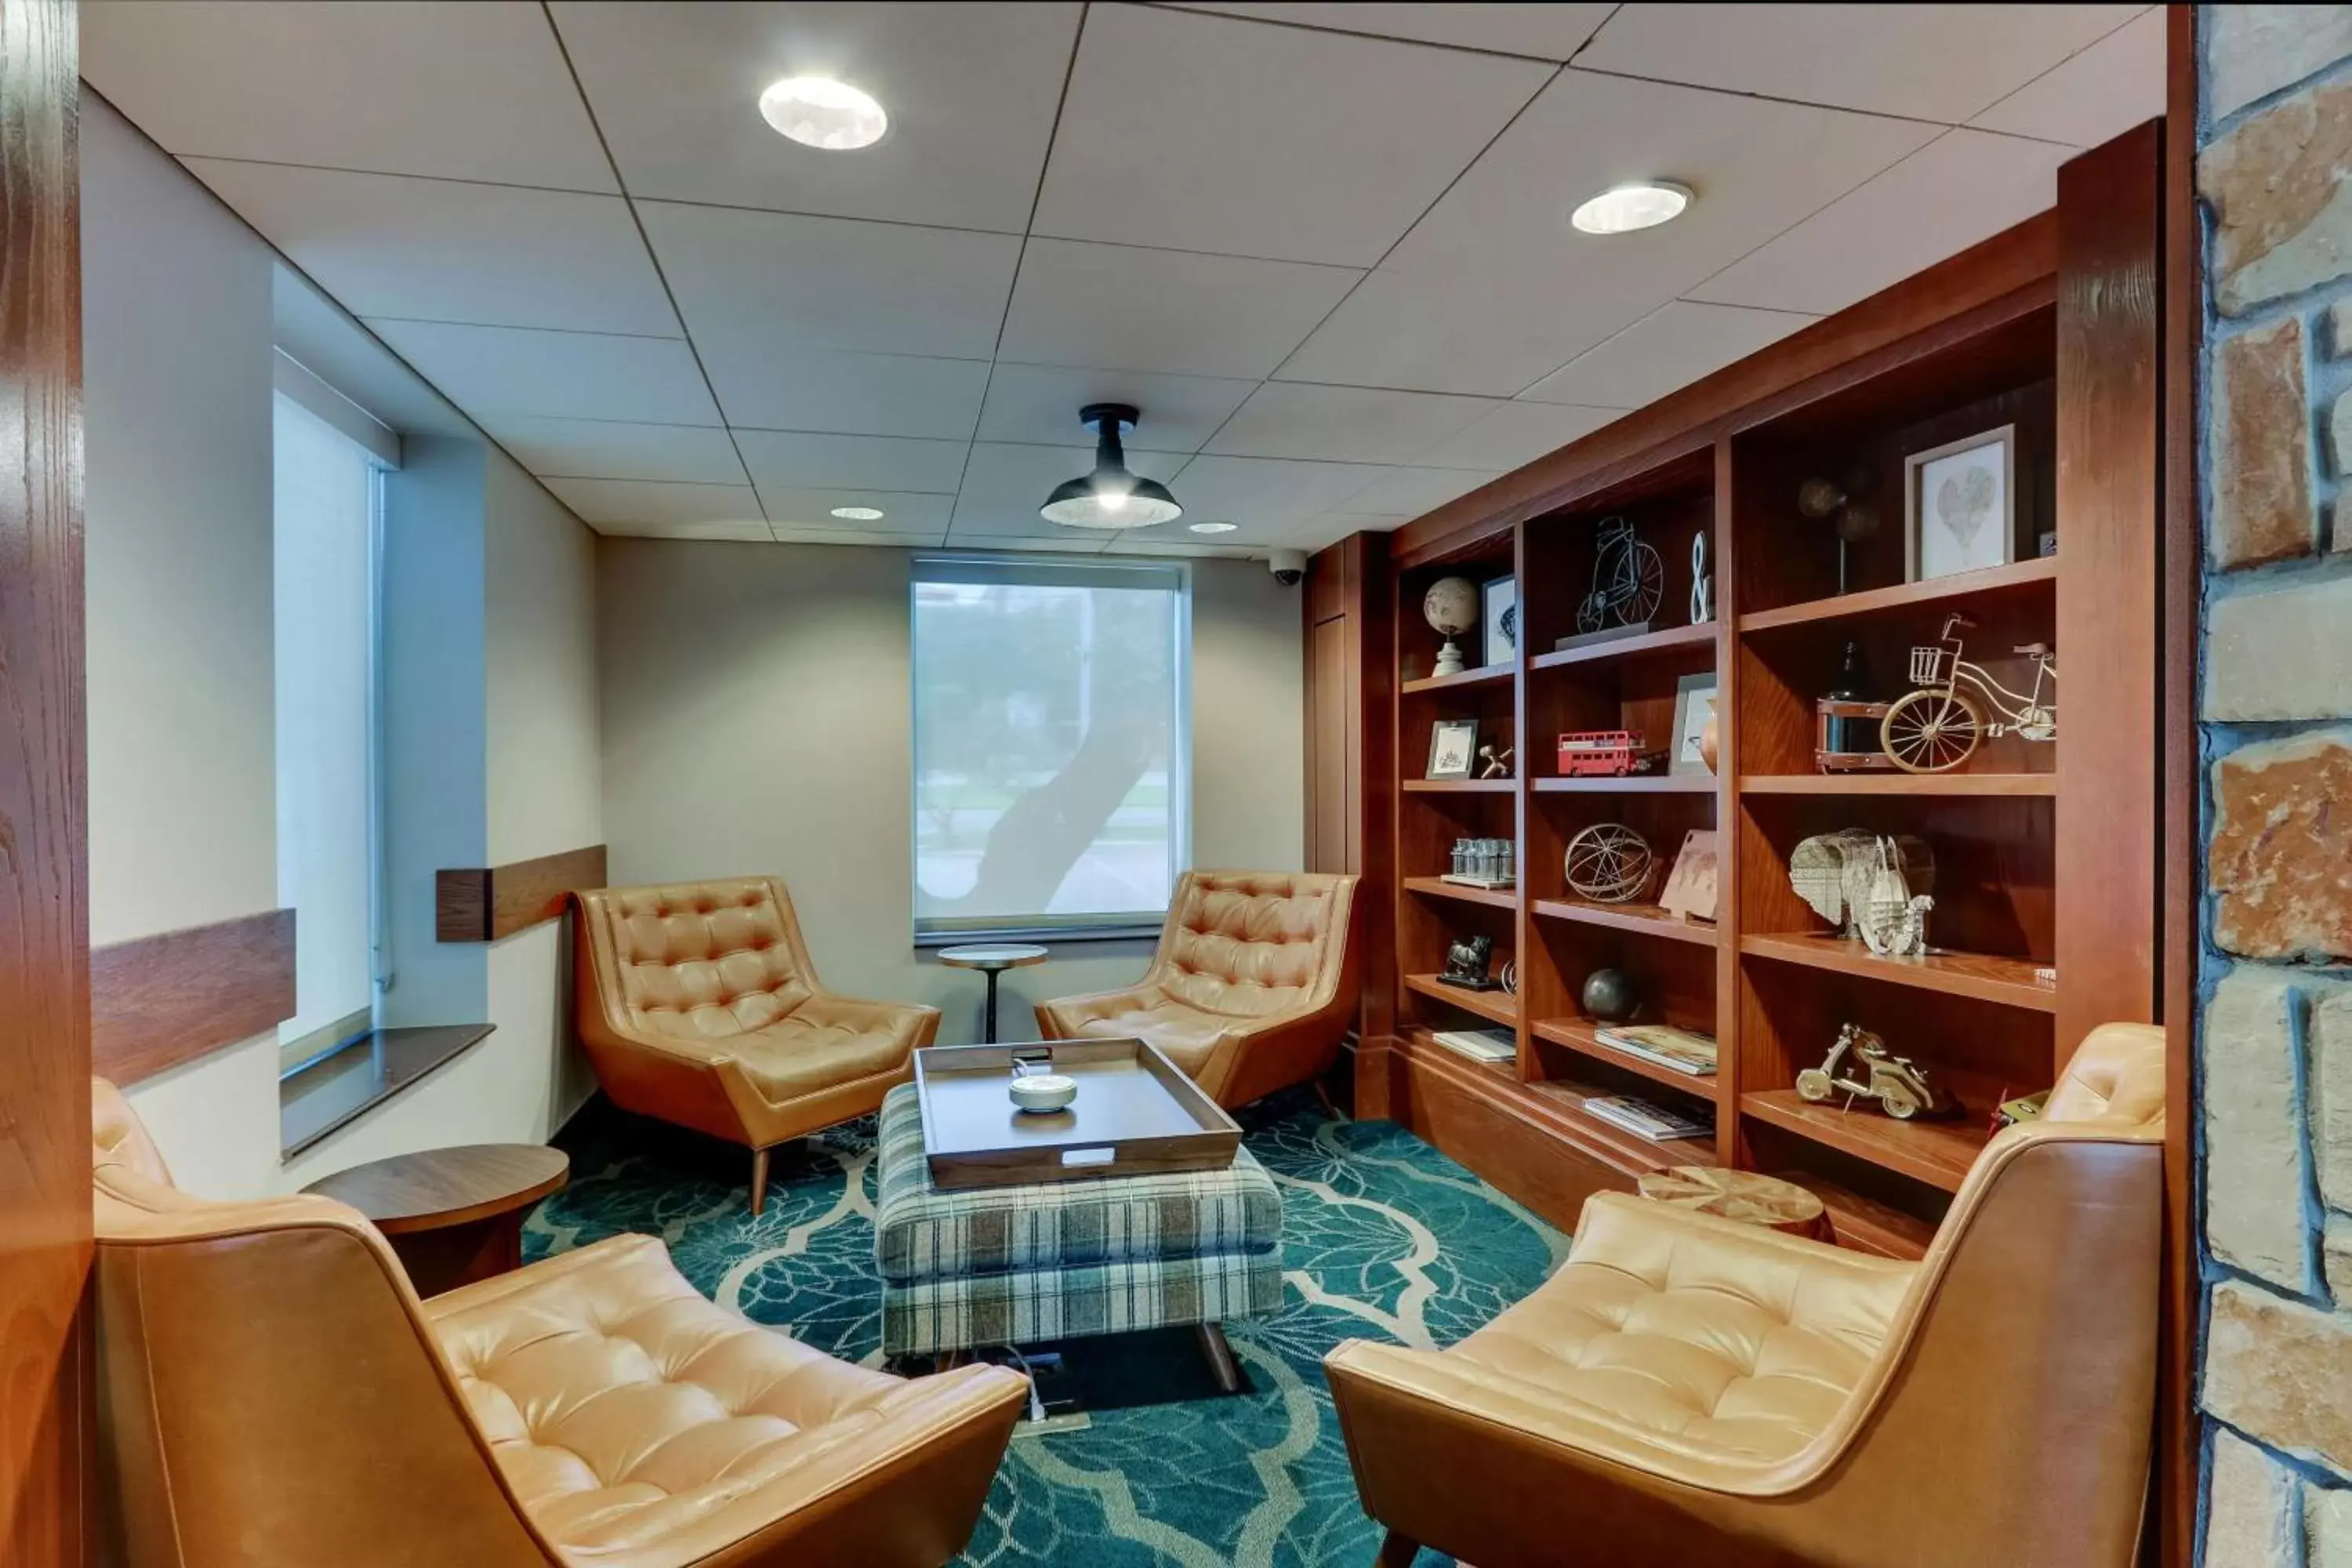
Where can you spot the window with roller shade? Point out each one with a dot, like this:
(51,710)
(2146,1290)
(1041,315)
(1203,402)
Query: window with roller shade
(1050,745)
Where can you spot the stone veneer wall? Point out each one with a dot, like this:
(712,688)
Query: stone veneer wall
(2275,1071)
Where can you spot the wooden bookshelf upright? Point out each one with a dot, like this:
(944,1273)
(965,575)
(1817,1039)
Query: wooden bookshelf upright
(1974,344)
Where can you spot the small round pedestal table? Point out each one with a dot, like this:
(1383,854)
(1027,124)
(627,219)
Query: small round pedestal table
(452,1215)
(1742,1195)
(992,959)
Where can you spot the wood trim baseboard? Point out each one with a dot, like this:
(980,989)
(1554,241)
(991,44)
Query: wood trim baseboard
(157,1002)
(483,903)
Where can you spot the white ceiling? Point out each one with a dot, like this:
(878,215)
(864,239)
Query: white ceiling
(1322,247)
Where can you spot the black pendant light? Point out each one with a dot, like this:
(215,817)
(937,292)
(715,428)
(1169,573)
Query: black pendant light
(1110,497)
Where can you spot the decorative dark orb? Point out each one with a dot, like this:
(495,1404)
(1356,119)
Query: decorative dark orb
(1610,996)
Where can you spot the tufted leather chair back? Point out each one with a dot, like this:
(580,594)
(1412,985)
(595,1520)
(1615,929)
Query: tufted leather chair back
(268,1389)
(1251,943)
(700,961)
(2115,1078)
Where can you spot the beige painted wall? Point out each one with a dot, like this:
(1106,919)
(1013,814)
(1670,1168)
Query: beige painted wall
(756,719)
(177,337)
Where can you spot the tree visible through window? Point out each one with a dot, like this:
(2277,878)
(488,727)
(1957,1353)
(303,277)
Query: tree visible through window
(1049,744)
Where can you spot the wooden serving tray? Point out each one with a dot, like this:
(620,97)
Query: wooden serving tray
(1136,1114)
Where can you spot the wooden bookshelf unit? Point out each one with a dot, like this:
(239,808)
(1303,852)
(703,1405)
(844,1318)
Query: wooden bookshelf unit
(1973,345)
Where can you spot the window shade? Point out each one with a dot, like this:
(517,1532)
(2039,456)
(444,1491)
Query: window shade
(1050,792)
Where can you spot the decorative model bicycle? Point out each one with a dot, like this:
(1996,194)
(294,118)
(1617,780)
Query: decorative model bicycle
(1629,580)
(1938,727)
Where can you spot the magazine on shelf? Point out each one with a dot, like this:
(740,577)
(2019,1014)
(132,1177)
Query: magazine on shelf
(1681,1049)
(1644,1119)
(1479,1044)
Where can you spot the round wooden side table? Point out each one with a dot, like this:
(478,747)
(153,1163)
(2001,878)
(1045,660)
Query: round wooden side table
(1743,1195)
(992,959)
(453,1216)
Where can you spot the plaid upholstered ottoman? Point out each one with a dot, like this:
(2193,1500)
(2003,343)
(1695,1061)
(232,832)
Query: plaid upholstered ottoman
(1058,1260)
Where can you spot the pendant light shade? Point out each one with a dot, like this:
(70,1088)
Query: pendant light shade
(1110,497)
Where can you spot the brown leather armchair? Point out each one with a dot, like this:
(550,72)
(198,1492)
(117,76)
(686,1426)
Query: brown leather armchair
(271,1391)
(697,1004)
(1252,986)
(1688,1391)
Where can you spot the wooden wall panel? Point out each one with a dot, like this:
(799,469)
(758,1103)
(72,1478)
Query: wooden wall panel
(159,1001)
(2109,647)
(484,904)
(1351,762)
(45,1221)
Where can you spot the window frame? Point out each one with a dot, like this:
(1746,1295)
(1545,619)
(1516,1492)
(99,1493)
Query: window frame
(1176,574)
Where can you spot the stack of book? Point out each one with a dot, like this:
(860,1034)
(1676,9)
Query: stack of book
(1644,1119)
(1479,1044)
(1683,1050)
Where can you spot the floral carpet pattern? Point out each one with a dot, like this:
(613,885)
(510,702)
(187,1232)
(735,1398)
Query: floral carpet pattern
(1383,1238)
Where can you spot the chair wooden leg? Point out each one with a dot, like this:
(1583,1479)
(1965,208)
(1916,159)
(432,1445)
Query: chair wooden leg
(1397,1552)
(759,1181)
(1222,1365)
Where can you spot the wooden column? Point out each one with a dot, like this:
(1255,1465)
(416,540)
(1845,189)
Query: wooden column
(2109,614)
(45,1220)
(1352,772)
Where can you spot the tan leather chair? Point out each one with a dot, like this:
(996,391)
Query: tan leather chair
(272,1392)
(1688,1391)
(1252,986)
(697,1004)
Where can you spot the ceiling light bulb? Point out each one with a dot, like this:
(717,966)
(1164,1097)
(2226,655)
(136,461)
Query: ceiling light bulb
(1112,501)
(1623,210)
(1214,526)
(818,112)
(859,513)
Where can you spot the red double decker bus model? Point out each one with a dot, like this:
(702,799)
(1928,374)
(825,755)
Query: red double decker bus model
(1595,753)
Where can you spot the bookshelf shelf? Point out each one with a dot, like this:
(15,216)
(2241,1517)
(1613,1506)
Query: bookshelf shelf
(1499,1005)
(1485,674)
(1458,786)
(1908,786)
(1647,919)
(1633,784)
(1577,1034)
(1649,644)
(1940,592)
(1936,1152)
(1439,887)
(1986,978)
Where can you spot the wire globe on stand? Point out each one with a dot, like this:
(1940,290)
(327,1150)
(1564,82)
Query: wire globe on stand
(1609,863)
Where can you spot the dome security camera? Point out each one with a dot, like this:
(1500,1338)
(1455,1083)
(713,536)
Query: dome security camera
(1288,566)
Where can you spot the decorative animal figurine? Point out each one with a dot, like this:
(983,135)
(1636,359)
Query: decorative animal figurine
(1837,873)
(1893,920)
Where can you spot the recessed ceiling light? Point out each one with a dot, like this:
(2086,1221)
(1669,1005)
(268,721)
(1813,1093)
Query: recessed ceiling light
(859,513)
(818,112)
(1214,526)
(1626,208)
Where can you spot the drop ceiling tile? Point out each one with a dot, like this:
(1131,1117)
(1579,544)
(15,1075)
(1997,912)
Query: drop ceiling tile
(609,450)
(1967,187)
(1039,404)
(1925,62)
(855,536)
(490,372)
(778,387)
(1202,132)
(1344,424)
(1514,435)
(637,503)
(1070,542)
(903,511)
(1339,524)
(1409,492)
(1123,308)
(785,459)
(1542,32)
(2100,94)
(834,283)
(439,250)
(1006,482)
(1188,547)
(1670,348)
(1493,290)
(971,90)
(459,92)
(1266,493)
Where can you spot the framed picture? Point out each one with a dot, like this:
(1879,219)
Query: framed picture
(1959,506)
(1499,605)
(1693,707)
(1452,748)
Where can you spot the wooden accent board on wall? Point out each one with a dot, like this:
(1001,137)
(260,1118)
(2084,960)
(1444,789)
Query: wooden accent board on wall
(45,1218)
(1351,773)
(485,903)
(157,1002)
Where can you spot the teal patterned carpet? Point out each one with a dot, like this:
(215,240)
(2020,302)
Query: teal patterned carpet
(1383,1238)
